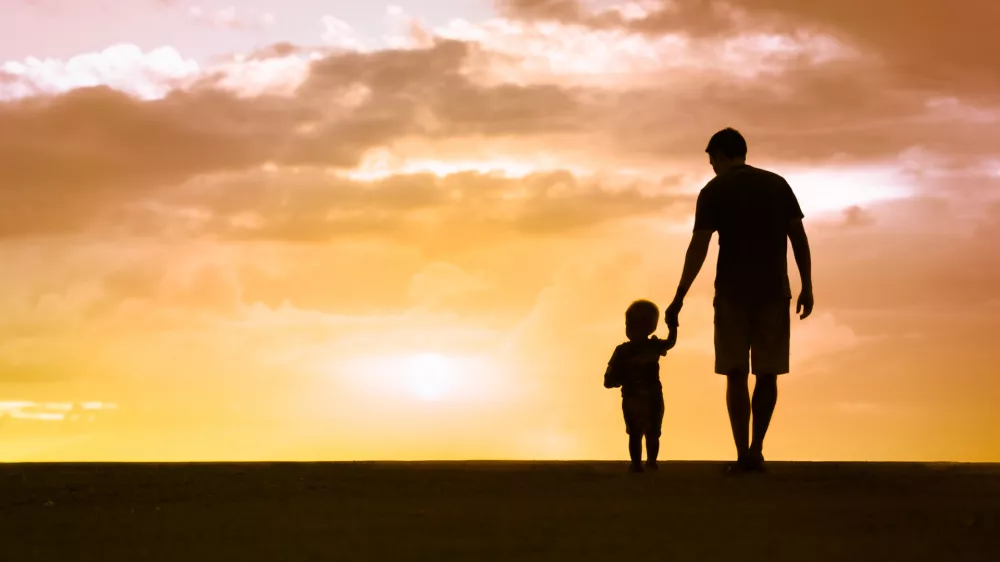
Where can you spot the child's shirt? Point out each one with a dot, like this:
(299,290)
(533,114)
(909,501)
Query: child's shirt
(627,369)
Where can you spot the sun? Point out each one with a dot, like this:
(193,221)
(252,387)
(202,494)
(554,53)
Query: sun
(430,376)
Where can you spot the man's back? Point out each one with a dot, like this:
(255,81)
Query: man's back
(751,209)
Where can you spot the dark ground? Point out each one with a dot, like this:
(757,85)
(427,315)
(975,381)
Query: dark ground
(477,511)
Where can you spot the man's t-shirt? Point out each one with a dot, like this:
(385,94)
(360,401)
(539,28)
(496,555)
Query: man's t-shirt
(751,210)
(635,378)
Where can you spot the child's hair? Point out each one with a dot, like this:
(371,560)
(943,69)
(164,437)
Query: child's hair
(644,315)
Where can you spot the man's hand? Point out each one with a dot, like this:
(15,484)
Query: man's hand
(804,306)
(671,316)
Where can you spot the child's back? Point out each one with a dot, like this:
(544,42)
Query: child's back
(635,367)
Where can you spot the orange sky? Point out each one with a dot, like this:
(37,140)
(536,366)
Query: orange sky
(298,230)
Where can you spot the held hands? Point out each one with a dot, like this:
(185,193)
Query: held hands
(804,306)
(672,313)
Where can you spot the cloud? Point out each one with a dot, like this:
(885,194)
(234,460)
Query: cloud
(29,410)
(453,210)
(956,60)
(79,150)
(855,216)
(124,67)
(438,283)
(231,17)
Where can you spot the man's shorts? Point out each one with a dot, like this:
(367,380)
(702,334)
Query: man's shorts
(643,414)
(746,330)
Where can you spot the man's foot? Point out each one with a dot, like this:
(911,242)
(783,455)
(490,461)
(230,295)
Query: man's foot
(635,467)
(741,465)
(755,461)
(735,467)
(652,466)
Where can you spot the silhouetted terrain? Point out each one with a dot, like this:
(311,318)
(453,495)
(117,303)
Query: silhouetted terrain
(498,511)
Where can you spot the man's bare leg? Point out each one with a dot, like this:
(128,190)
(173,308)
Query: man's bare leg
(738,403)
(765,396)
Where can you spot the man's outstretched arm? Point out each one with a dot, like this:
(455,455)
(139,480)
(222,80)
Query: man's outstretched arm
(693,260)
(803,258)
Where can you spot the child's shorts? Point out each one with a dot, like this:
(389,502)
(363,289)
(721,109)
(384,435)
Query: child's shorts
(643,414)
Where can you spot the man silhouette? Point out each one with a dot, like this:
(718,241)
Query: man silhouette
(755,213)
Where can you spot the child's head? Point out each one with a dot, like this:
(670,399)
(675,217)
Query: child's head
(641,318)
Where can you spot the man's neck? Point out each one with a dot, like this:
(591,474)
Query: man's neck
(735,166)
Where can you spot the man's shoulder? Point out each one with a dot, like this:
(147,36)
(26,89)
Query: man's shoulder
(766,175)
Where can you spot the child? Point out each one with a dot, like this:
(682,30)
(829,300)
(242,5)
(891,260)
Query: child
(634,366)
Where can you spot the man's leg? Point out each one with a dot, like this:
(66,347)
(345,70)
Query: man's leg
(770,331)
(738,403)
(732,359)
(765,396)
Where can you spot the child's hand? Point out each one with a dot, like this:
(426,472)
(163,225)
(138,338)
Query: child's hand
(610,381)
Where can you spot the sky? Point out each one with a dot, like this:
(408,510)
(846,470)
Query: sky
(331,230)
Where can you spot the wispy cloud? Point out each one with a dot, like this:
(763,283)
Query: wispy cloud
(27,410)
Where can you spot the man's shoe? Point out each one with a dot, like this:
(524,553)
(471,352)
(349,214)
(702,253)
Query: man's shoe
(652,466)
(635,467)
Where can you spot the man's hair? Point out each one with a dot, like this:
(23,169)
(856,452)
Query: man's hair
(728,141)
(644,314)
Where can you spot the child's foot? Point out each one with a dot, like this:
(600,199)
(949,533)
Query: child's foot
(635,467)
(651,465)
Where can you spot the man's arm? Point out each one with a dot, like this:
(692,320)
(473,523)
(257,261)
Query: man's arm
(693,260)
(803,258)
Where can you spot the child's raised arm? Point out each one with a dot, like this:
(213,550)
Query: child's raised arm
(667,344)
(671,340)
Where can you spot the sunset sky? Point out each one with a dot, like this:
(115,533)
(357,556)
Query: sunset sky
(335,230)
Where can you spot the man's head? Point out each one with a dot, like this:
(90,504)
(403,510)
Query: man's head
(641,318)
(726,149)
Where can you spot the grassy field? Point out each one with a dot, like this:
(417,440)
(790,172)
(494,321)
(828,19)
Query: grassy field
(498,511)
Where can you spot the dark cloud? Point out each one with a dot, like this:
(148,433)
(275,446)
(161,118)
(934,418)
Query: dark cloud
(95,155)
(277,50)
(71,157)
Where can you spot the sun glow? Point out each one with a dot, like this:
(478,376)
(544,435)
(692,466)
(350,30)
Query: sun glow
(825,191)
(427,376)
(430,376)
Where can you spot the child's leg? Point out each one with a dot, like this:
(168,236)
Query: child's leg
(633,411)
(652,448)
(635,447)
(654,428)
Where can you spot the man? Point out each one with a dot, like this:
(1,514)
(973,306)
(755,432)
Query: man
(755,214)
